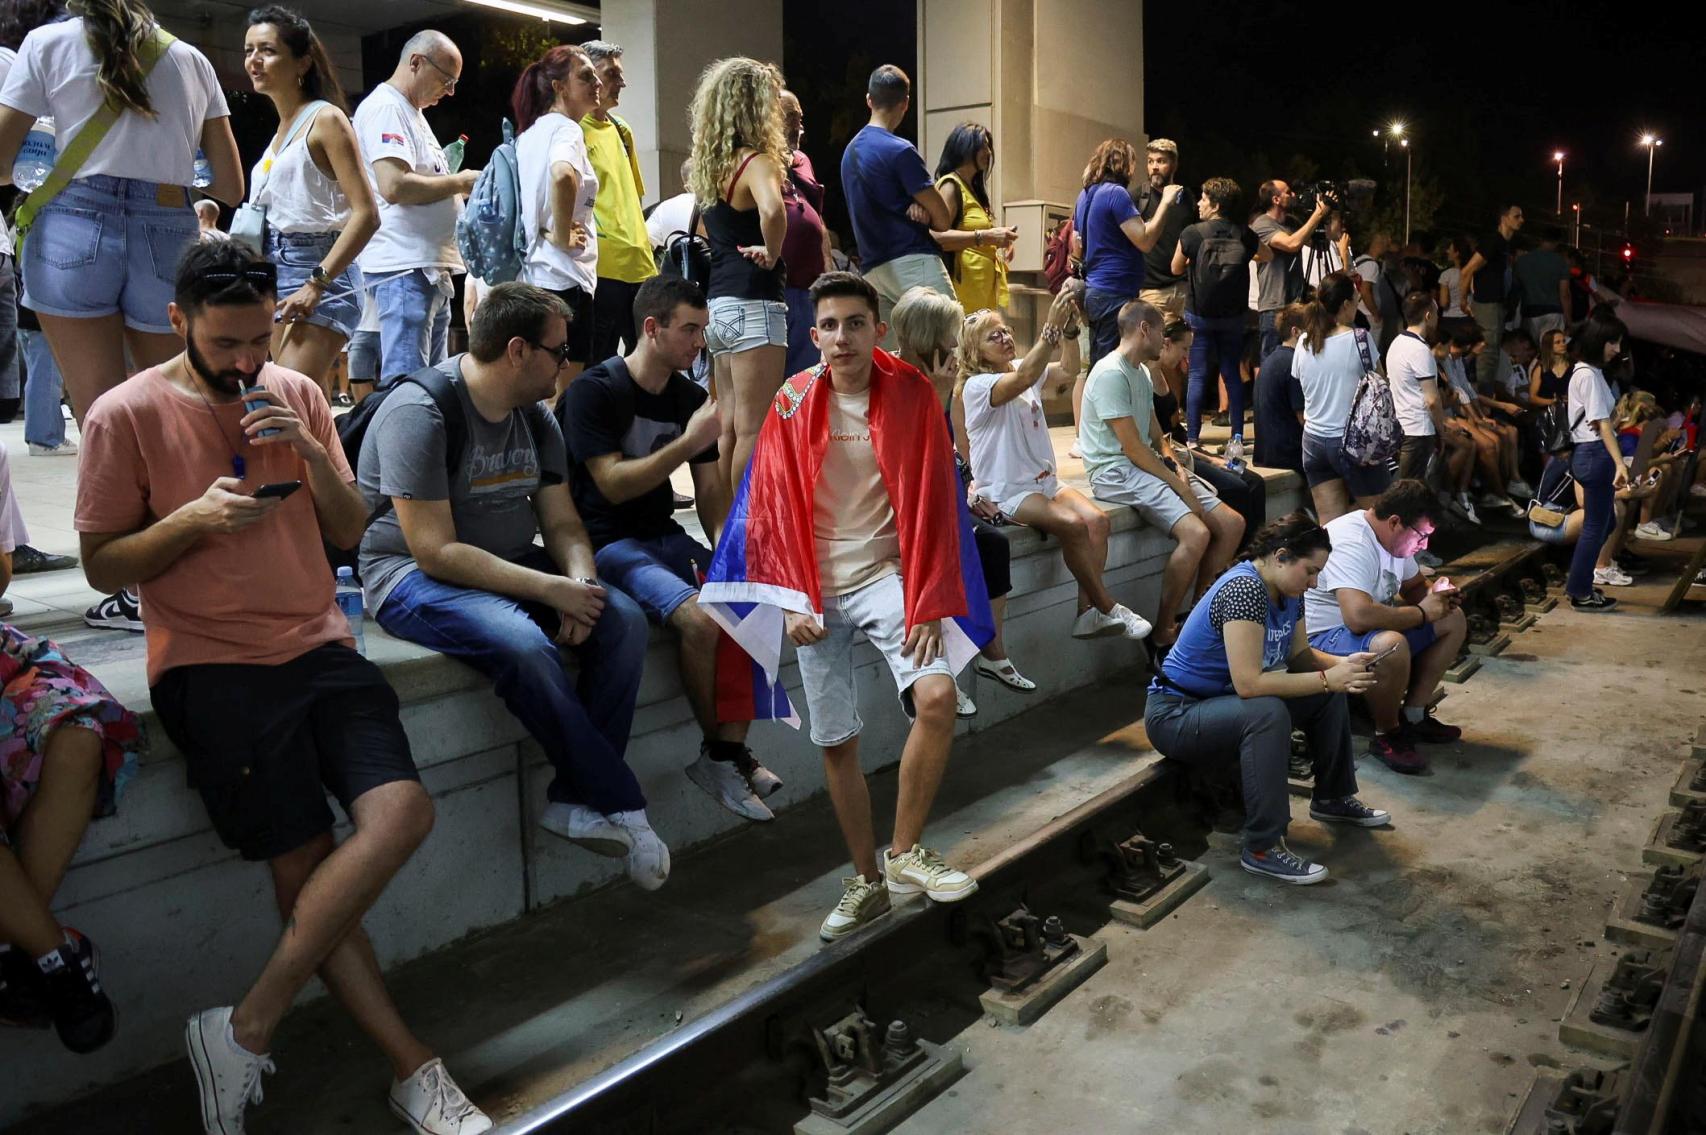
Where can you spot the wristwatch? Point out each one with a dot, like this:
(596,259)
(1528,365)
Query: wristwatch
(318,276)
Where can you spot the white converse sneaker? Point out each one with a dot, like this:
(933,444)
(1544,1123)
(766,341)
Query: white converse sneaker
(862,900)
(228,1074)
(432,1104)
(648,861)
(723,783)
(592,830)
(1091,623)
(1132,624)
(923,870)
(963,705)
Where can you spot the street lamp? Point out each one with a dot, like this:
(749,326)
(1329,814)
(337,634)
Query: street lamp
(1576,237)
(1652,142)
(1558,156)
(1397,131)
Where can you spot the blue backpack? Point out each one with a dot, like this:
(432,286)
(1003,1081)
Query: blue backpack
(489,234)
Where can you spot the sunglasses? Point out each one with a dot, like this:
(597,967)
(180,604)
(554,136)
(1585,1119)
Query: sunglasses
(561,351)
(263,274)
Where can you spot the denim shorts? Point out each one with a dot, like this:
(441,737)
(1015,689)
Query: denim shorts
(296,254)
(743,325)
(109,246)
(1324,460)
(1343,641)
(658,573)
(878,611)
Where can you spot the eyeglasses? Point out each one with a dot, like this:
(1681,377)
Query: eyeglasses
(262,274)
(450,80)
(561,350)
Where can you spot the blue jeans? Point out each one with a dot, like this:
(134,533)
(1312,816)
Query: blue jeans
(8,329)
(658,573)
(44,424)
(1593,470)
(1102,309)
(1268,323)
(364,356)
(802,352)
(414,321)
(1224,336)
(582,725)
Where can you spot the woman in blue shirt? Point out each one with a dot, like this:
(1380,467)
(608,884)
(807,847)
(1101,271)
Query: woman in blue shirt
(1242,675)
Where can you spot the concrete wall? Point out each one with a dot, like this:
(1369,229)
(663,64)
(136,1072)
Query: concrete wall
(217,30)
(183,924)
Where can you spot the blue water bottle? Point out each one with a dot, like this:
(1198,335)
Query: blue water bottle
(203,171)
(349,602)
(36,156)
(253,404)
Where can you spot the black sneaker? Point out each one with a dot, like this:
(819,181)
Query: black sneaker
(1598,601)
(82,1013)
(120,611)
(27,560)
(23,992)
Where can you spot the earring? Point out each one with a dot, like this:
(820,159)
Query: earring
(302,80)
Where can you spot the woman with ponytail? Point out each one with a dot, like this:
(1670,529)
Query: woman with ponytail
(558,189)
(1332,356)
(1242,676)
(311,181)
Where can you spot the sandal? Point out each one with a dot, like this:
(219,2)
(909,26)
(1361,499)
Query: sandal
(1006,673)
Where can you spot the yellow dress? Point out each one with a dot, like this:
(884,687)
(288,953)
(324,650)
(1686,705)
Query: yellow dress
(980,274)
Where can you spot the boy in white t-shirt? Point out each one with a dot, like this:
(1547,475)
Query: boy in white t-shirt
(1372,597)
(408,265)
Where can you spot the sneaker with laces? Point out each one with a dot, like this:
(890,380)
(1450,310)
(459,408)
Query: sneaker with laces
(1466,508)
(1074,450)
(1395,752)
(1520,489)
(862,901)
(723,783)
(1431,729)
(1282,863)
(1698,489)
(228,1075)
(1091,623)
(1597,601)
(765,783)
(592,830)
(63,449)
(82,1012)
(430,1102)
(648,857)
(1651,531)
(29,561)
(963,705)
(1133,625)
(923,870)
(1348,810)
(120,611)
(1612,576)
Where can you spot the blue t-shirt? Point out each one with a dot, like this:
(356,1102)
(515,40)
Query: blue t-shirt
(1279,397)
(1112,263)
(1197,662)
(880,172)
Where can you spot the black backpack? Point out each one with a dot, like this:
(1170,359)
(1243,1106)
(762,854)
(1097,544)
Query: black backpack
(1219,276)
(437,381)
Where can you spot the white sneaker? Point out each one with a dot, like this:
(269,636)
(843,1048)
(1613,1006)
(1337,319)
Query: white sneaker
(923,870)
(1075,451)
(592,830)
(63,449)
(1613,576)
(1651,531)
(432,1104)
(648,862)
(1132,624)
(723,783)
(1520,488)
(228,1074)
(1698,489)
(1428,559)
(1091,623)
(963,705)
(862,900)
(1466,507)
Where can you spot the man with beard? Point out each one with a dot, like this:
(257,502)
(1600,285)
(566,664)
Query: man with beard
(252,668)
(1163,287)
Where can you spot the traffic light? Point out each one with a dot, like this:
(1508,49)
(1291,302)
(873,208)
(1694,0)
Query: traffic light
(1628,253)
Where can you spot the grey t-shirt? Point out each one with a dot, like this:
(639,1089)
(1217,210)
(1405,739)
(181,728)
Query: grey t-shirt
(491,496)
(1271,275)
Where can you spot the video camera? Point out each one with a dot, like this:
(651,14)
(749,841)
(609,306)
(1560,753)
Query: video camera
(1346,196)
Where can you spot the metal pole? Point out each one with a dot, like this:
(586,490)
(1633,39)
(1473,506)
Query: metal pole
(1406,195)
(1560,188)
(1651,147)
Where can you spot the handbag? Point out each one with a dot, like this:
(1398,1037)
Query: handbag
(249,224)
(72,158)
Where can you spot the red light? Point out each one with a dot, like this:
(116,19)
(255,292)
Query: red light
(1628,252)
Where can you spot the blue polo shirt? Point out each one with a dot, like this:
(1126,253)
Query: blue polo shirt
(880,173)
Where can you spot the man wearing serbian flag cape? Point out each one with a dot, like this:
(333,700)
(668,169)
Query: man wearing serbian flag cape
(849,521)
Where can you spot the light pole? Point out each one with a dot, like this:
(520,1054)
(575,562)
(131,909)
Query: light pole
(1397,131)
(1558,156)
(1576,238)
(1652,142)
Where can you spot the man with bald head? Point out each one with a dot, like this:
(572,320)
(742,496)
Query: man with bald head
(409,263)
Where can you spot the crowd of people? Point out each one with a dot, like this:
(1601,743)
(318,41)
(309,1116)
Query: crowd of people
(856,443)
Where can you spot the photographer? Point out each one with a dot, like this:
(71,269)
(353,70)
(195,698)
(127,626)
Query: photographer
(1279,281)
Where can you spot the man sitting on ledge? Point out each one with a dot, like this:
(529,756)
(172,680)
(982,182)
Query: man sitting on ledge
(1372,597)
(454,568)
(252,668)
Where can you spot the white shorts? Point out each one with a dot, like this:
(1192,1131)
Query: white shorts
(1009,497)
(1154,499)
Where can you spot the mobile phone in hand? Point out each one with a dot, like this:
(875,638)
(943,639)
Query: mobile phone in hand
(1382,656)
(278,489)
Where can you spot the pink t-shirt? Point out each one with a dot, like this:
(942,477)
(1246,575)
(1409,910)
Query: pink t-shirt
(261,596)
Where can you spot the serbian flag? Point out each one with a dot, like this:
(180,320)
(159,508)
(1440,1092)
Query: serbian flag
(766,560)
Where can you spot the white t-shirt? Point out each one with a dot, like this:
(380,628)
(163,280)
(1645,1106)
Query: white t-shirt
(1452,280)
(55,76)
(1590,402)
(671,216)
(1359,562)
(555,138)
(1408,362)
(1010,447)
(7,58)
(1329,381)
(388,125)
(1369,269)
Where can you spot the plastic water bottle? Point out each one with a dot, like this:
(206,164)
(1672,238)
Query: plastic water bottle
(203,171)
(35,156)
(453,153)
(349,602)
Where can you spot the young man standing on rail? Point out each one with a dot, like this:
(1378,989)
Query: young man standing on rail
(848,523)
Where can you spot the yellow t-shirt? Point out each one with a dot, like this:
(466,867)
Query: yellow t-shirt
(624,248)
(852,517)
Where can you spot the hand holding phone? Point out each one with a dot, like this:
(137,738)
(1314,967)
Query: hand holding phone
(1443,583)
(278,489)
(1382,656)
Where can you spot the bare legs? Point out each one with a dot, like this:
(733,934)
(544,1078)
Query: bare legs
(1082,530)
(753,378)
(1332,500)
(1405,681)
(309,349)
(91,354)
(696,657)
(996,649)
(47,837)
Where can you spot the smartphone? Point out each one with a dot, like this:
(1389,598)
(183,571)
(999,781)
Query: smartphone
(1443,583)
(1382,656)
(279,489)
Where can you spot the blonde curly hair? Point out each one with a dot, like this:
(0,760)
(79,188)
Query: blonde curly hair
(736,106)
(969,358)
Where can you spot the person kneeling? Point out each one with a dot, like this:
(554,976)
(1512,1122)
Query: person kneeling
(1243,675)
(1372,596)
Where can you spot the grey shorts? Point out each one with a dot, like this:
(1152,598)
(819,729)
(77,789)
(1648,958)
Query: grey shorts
(878,611)
(742,325)
(1154,499)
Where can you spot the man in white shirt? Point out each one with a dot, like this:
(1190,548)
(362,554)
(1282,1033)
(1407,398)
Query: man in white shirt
(1371,596)
(409,263)
(1413,375)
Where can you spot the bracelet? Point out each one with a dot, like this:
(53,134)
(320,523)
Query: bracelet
(1051,334)
(1324,686)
